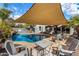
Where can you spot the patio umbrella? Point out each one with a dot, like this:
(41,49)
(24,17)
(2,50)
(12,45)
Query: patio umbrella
(44,14)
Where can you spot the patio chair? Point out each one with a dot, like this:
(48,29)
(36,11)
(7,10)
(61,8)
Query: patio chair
(68,41)
(40,50)
(69,49)
(11,49)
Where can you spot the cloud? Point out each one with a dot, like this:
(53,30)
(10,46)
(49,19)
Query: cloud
(16,12)
(15,16)
(74,9)
(15,8)
(12,8)
(70,8)
(65,6)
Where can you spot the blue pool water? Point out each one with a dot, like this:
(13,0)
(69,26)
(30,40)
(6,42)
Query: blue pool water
(27,37)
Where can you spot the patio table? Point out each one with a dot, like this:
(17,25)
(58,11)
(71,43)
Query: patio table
(44,43)
(29,46)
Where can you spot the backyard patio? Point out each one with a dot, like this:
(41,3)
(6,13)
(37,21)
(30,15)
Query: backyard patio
(41,31)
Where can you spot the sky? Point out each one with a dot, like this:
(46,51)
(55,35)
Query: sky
(70,9)
(18,9)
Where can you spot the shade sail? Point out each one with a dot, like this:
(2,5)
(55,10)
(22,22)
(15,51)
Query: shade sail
(44,14)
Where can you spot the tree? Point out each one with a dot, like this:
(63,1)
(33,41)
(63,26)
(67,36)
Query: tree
(4,14)
(74,21)
(10,21)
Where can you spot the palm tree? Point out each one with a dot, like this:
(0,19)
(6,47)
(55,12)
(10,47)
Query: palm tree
(4,14)
(10,21)
(73,22)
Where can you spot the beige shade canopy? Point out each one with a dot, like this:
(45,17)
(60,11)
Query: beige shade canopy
(44,14)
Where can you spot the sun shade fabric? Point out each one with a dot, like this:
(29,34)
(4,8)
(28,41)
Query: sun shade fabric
(43,14)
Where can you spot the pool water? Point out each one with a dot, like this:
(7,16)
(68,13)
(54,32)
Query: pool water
(27,37)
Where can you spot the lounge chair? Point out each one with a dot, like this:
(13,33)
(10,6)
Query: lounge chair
(69,49)
(11,49)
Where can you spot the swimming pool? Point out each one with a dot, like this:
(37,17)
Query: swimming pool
(27,37)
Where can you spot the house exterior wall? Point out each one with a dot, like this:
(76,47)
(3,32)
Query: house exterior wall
(38,29)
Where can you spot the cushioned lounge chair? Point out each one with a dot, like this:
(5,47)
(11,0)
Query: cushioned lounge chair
(11,49)
(70,48)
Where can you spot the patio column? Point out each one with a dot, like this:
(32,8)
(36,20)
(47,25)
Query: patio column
(71,30)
